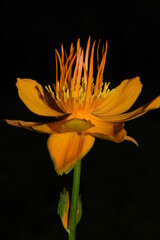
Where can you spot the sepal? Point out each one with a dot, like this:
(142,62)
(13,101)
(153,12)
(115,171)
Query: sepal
(64,207)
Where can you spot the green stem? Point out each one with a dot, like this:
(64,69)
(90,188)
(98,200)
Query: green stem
(74,201)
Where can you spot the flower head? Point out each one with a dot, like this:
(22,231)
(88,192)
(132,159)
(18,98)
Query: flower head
(84,108)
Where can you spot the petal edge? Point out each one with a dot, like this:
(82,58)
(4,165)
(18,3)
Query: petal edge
(37,99)
(67,148)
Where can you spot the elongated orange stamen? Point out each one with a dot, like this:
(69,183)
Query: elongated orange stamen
(79,76)
(103,65)
(70,72)
(89,83)
(75,72)
(86,60)
(56,72)
(75,93)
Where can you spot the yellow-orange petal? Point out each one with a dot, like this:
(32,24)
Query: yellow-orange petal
(154,104)
(64,125)
(67,148)
(120,99)
(34,126)
(37,99)
(130,139)
(109,131)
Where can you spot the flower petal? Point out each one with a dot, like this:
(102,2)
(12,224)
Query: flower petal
(130,139)
(109,131)
(36,99)
(154,104)
(67,148)
(33,126)
(119,99)
(64,125)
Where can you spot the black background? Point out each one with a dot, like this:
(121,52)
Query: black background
(120,184)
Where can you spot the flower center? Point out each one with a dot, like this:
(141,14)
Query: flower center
(72,104)
(75,91)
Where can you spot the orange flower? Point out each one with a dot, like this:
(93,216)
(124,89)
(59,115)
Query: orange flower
(84,108)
